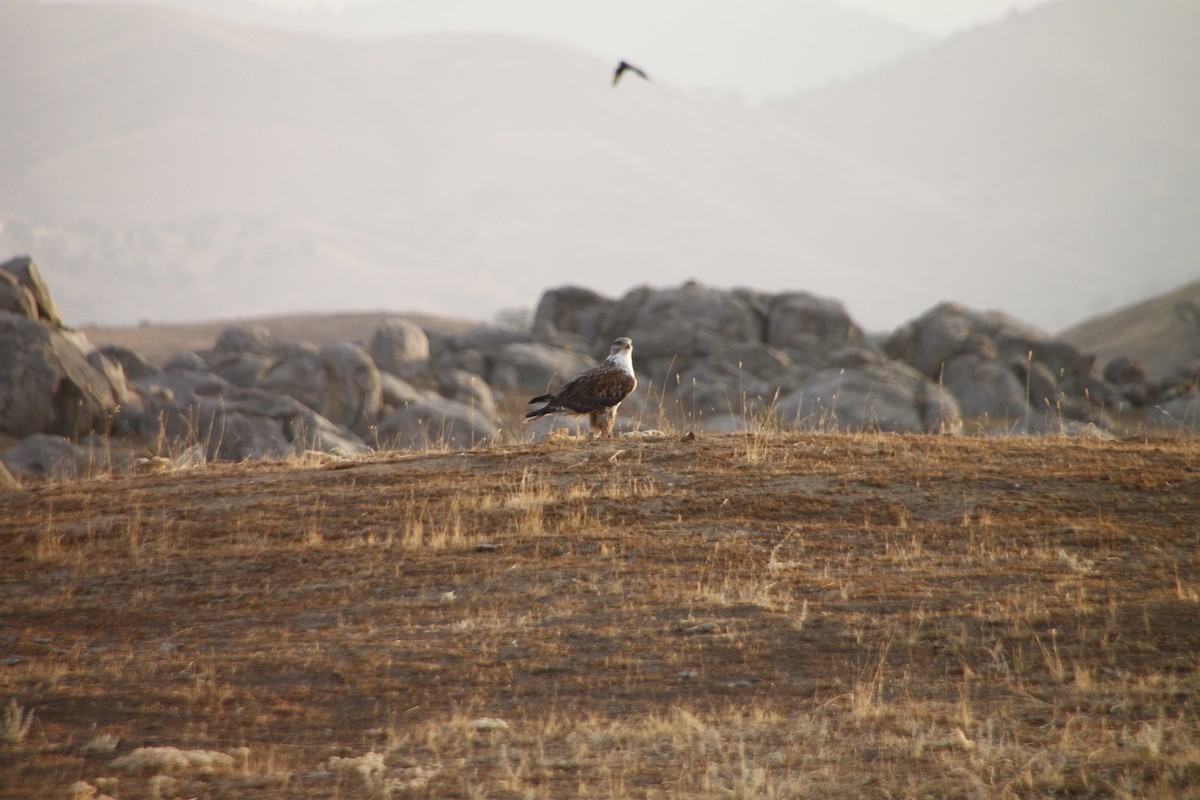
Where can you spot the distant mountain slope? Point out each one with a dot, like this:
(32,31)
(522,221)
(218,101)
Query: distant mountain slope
(1160,333)
(167,166)
(1073,125)
(754,47)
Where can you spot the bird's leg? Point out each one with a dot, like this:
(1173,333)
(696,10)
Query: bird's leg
(596,424)
(602,421)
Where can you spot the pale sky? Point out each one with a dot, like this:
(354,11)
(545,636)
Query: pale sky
(941,16)
(932,16)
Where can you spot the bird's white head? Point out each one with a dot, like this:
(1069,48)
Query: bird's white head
(621,353)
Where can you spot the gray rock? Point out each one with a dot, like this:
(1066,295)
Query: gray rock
(984,388)
(185,361)
(732,383)
(26,272)
(1180,413)
(47,456)
(1123,371)
(574,311)
(399,346)
(340,382)
(731,316)
(534,368)
(806,323)
(15,298)
(132,364)
(46,382)
(468,388)
(247,337)
(245,369)
(945,331)
(235,424)
(397,391)
(435,423)
(1183,380)
(892,398)
(489,338)
(114,373)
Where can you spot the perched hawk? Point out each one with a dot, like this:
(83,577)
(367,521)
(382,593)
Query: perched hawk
(596,392)
(625,65)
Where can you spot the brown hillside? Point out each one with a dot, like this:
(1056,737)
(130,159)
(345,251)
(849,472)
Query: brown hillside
(1161,333)
(768,617)
(159,341)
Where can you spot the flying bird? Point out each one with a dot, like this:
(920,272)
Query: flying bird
(596,392)
(622,67)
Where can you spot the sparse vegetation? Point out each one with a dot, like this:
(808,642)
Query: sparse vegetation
(766,615)
(15,723)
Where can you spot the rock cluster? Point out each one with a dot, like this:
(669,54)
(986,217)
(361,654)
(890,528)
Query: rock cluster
(713,360)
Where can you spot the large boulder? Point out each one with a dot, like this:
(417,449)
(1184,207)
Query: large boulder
(892,398)
(133,364)
(1182,412)
(47,384)
(945,331)
(245,369)
(340,382)
(246,337)
(436,423)
(739,378)
(26,272)
(399,346)
(806,323)
(468,388)
(1053,375)
(733,316)
(984,387)
(396,392)
(574,311)
(188,409)
(185,361)
(15,298)
(45,455)
(533,368)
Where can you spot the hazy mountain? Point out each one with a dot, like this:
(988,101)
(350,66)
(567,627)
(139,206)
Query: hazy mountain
(166,166)
(1073,125)
(752,48)
(1161,333)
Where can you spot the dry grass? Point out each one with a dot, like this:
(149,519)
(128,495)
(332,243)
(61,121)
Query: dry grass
(760,616)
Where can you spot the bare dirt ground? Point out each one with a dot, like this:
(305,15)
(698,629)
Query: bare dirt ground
(781,615)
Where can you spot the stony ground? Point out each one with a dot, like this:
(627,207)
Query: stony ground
(734,616)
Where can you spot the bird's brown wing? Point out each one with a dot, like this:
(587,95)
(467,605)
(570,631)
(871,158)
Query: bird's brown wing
(599,388)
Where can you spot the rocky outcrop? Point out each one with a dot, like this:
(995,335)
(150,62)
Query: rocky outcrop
(339,381)
(572,311)
(435,423)
(399,346)
(196,409)
(15,298)
(29,278)
(999,368)
(47,384)
(712,360)
(45,455)
(891,397)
